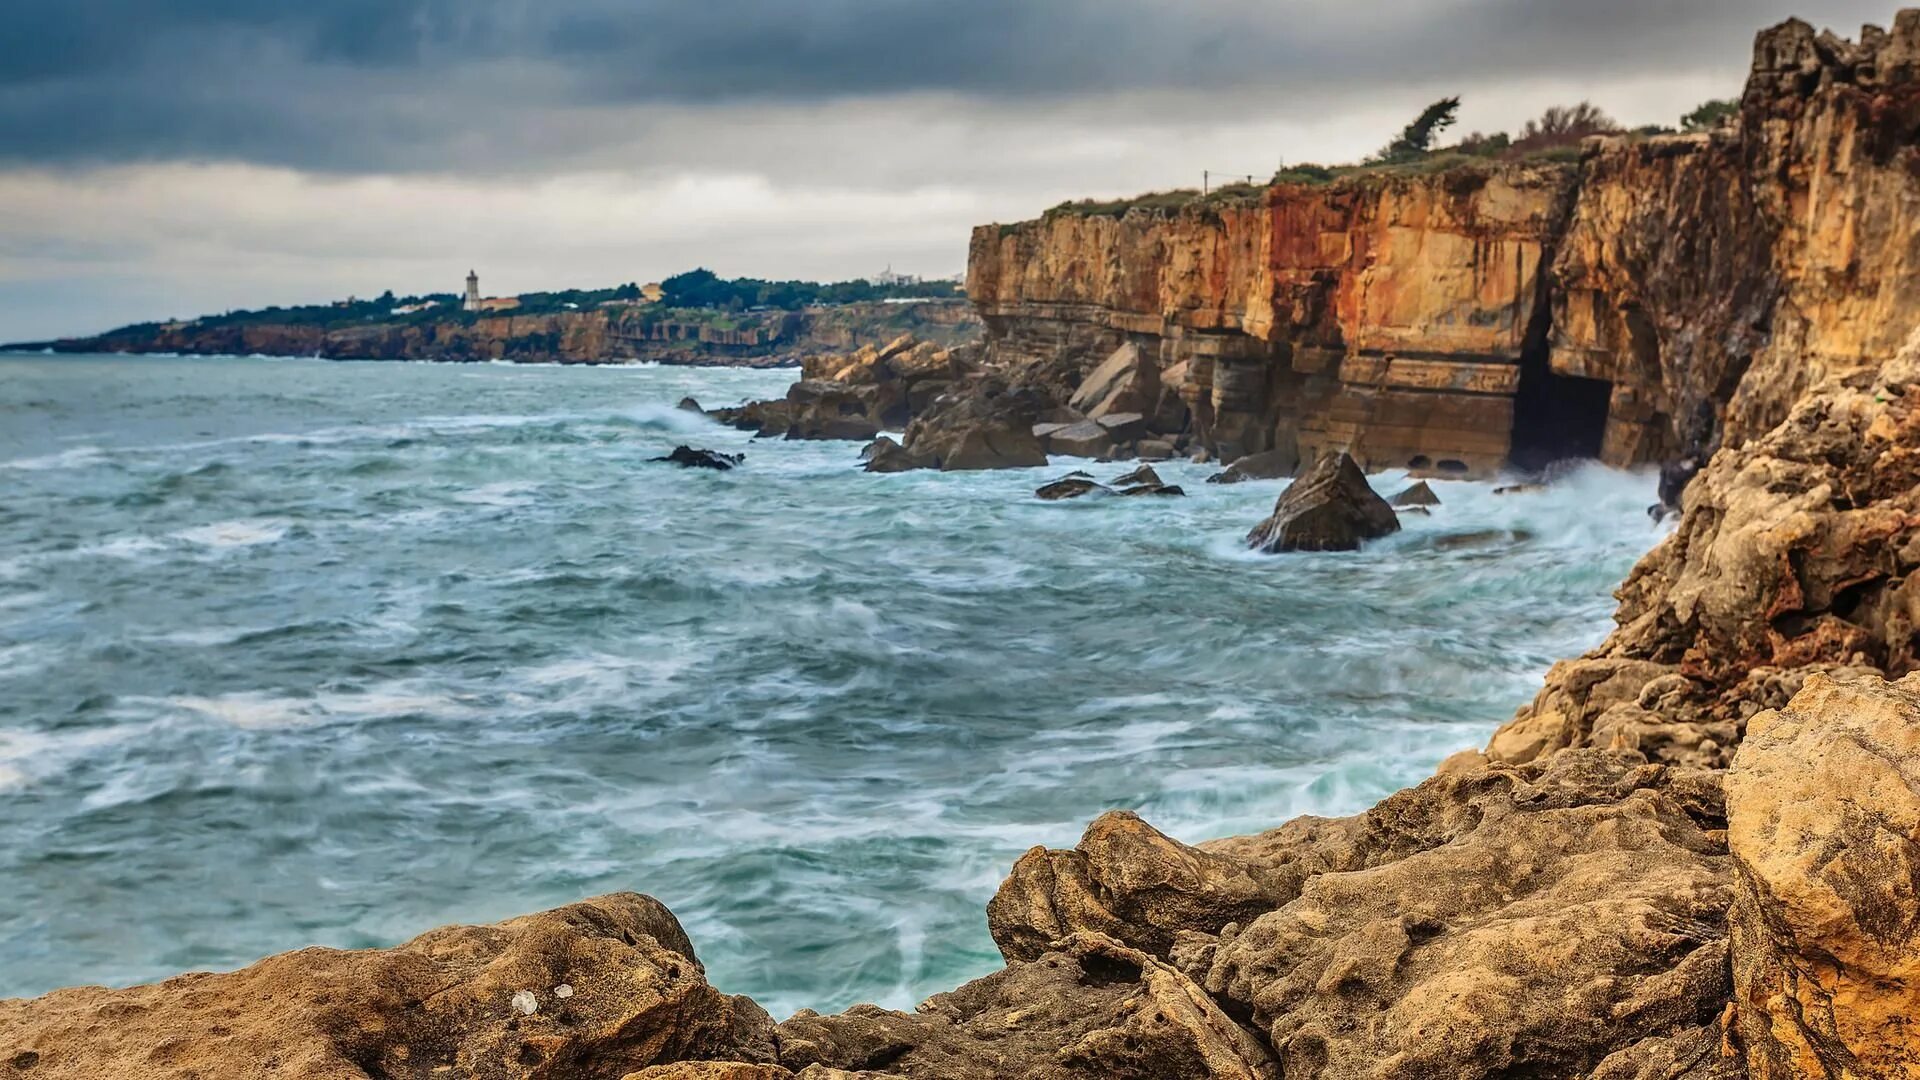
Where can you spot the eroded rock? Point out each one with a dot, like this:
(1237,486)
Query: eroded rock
(1087,1007)
(443,1001)
(1823,818)
(688,457)
(1329,508)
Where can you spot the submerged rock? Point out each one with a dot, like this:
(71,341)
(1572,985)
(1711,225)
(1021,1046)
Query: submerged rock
(1330,508)
(689,458)
(688,404)
(454,1002)
(1071,487)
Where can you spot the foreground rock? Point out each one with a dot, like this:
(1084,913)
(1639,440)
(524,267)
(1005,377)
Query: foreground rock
(1330,508)
(1823,807)
(988,427)
(1087,1007)
(592,991)
(689,458)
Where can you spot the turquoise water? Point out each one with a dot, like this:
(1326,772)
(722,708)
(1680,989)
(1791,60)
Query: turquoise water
(302,652)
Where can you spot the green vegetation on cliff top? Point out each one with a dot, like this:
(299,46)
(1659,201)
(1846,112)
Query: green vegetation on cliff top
(1553,137)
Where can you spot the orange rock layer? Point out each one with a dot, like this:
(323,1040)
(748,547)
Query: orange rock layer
(1638,305)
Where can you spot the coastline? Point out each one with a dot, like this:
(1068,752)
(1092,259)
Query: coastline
(1690,856)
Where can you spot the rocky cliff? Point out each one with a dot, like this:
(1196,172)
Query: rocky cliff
(1638,305)
(605,335)
(1694,855)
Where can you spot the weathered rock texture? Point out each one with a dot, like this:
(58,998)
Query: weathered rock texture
(1330,508)
(444,1004)
(1652,299)
(1823,805)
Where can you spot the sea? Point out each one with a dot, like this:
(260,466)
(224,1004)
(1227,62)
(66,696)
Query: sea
(301,652)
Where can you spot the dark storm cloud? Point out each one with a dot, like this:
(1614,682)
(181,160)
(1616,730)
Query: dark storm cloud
(349,85)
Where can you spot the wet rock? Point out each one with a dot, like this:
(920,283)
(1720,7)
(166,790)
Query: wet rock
(1330,508)
(989,427)
(1419,494)
(1071,487)
(1823,818)
(1268,465)
(1142,475)
(823,409)
(1520,489)
(441,1004)
(883,455)
(1155,450)
(765,419)
(1086,1007)
(688,404)
(1165,490)
(689,458)
(1413,511)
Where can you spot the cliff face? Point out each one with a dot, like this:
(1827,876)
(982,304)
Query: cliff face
(618,335)
(1388,314)
(1648,302)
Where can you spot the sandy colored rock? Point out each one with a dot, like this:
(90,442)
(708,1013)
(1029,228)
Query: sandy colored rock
(1823,817)
(1330,507)
(1418,495)
(1126,382)
(442,1001)
(1579,911)
(1088,1007)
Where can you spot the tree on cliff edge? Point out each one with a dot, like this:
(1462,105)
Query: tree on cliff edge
(1415,141)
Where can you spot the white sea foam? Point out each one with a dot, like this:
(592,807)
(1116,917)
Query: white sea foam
(235,534)
(79,457)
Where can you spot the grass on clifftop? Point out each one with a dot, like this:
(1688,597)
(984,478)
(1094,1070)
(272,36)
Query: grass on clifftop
(1304,175)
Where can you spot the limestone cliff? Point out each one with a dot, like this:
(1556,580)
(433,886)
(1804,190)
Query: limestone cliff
(1644,303)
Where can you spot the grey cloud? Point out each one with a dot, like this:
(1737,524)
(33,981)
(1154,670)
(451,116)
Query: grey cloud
(423,85)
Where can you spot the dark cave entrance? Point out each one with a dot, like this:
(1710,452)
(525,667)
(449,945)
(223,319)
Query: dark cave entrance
(1555,417)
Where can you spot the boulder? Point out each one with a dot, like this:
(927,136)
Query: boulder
(987,427)
(823,409)
(1088,1006)
(595,990)
(1171,490)
(1071,487)
(1520,489)
(1268,465)
(1155,450)
(1330,508)
(883,455)
(1123,427)
(689,458)
(1083,439)
(1418,495)
(1126,382)
(1823,819)
(1142,475)
(687,404)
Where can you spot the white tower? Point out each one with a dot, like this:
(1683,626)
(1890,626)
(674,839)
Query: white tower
(473,292)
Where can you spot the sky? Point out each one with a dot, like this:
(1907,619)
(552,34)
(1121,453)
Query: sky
(167,159)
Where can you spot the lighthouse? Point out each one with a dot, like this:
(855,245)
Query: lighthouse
(473,292)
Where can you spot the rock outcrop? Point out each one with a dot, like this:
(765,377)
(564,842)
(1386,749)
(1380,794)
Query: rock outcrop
(1330,508)
(592,991)
(857,395)
(1823,809)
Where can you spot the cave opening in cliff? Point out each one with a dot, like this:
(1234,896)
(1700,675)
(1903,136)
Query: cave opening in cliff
(1556,417)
